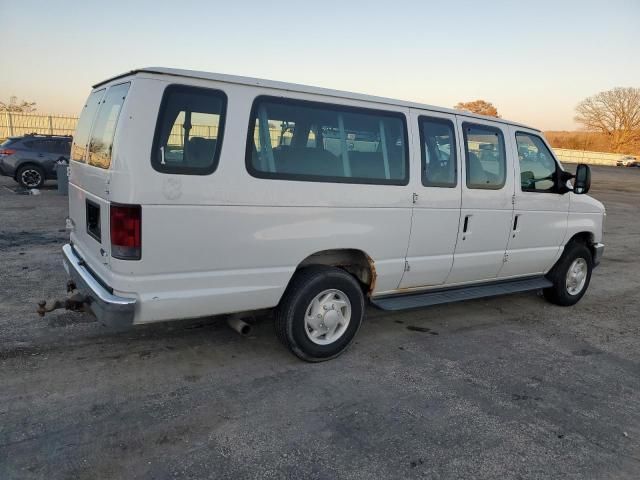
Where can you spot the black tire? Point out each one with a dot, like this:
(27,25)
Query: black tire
(305,285)
(559,293)
(30,176)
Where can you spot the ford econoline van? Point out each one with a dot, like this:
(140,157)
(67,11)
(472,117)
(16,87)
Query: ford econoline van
(195,194)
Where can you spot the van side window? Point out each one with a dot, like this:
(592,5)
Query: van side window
(486,157)
(104,127)
(438,145)
(310,141)
(83,129)
(189,131)
(537,166)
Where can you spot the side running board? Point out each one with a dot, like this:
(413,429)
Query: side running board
(456,294)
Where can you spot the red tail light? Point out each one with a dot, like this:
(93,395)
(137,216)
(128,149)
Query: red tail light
(7,151)
(126,241)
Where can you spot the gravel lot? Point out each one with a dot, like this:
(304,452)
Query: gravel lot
(509,387)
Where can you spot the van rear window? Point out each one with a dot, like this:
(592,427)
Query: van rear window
(317,142)
(83,129)
(104,127)
(189,131)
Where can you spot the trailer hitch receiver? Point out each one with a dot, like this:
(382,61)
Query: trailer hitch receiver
(74,301)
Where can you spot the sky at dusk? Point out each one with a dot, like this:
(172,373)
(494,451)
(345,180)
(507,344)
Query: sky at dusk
(533,60)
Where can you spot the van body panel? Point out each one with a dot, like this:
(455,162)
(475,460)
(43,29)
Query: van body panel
(208,269)
(580,222)
(538,225)
(436,215)
(480,249)
(89,186)
(228,241)
(96,251)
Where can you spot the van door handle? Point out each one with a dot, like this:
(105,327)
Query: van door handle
(515,225)
(466,224)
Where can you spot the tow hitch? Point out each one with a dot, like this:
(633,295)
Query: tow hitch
(74,301)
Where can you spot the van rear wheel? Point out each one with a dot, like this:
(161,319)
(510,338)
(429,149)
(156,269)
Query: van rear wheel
(570,276)
(320,313)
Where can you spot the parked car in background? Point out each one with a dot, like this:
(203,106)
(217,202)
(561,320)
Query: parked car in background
(628,161)
(31,159)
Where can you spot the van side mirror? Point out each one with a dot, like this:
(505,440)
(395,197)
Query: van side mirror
(582,179)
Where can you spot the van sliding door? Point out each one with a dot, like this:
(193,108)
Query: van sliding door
(436,211)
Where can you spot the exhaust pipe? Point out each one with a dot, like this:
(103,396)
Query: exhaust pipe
(239,325)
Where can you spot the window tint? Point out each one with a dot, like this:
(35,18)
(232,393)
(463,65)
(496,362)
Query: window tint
(64,146)
(438,146)
(308,141)
(486,158)
(537,165)
(189,130)
(43,146)
(104,127)
(60,146)
(38,145)
(83,129)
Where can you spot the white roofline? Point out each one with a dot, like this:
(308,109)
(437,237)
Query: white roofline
(293,87)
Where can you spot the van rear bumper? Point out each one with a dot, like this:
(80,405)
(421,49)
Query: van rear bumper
(112,310)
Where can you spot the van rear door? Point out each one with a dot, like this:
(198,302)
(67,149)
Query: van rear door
(91,154)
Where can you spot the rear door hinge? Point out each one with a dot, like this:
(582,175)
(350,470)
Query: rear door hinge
(513,199)
(505,259)
(407,267)
(415,198)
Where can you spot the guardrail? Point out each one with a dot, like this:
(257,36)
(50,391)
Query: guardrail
(584,156)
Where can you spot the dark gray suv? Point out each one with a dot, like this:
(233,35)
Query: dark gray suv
(32,159)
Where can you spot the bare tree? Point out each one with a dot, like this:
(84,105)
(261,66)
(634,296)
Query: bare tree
(616,114)
(481,107)
(13,105)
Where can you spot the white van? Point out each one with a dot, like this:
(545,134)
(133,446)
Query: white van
(195,194)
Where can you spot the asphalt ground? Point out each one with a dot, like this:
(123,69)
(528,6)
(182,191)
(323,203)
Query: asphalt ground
(508,387)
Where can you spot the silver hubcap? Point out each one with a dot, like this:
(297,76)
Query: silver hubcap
(327,317)
(576,276)
(31,178)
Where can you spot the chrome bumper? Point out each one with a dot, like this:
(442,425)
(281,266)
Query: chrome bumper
(598,251)
(110,309)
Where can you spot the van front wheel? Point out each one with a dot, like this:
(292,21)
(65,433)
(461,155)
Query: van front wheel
(570,276)
(320,313)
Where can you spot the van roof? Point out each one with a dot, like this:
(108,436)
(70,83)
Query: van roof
(294,87)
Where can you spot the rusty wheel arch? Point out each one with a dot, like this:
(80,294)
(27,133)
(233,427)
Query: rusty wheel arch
(356,262)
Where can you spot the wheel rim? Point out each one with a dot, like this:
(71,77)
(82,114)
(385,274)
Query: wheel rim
(30,177)
(576,276)
(327,317)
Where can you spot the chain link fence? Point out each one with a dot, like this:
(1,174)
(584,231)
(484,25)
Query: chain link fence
(14,124)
